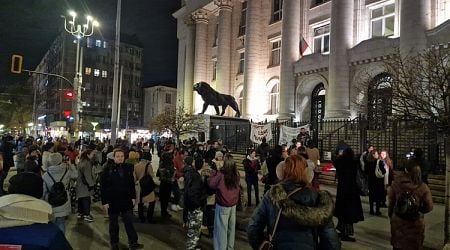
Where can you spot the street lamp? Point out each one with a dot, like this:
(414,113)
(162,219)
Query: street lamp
(79,31)
(94,124)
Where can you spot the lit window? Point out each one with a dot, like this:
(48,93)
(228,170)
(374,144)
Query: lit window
(275,54)
(382,20)
(90,42)
(104,73)
(241,99)
(214,76)
(98,43)
(105,45)
(443,11)
(96,72)
(274,97)
(277,10)
(243,19)
(168,99)
(87,71)
(322,39)
(241,62)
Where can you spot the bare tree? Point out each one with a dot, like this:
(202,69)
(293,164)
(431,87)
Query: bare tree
(178,121)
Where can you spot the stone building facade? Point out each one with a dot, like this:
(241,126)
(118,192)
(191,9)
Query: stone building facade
(300,58)
(157,100)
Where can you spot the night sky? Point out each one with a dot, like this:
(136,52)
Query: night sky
(28,27)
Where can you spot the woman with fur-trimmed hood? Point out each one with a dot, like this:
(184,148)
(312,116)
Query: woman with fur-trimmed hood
(306,218)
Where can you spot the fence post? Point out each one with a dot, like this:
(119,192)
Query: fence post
(394,140)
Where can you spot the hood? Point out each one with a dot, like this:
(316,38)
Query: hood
(403,180)
(305,215)
(59,169)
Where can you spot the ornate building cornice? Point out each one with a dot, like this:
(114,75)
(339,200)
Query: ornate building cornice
(313,71)
(371,60)
(224,4)
(200,16)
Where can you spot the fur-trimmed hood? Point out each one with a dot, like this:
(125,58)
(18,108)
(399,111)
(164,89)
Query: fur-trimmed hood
(305,207)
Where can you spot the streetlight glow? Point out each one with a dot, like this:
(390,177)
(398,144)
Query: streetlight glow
(72,13)
(89,18)
(95,23)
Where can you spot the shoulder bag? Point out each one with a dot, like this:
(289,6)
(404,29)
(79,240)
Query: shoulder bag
(267,244)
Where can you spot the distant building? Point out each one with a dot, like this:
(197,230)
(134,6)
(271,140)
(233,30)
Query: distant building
(97,80)
(302,58)
(158,99)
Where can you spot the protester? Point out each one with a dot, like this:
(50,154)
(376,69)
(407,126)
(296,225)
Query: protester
(348,203)
(178,163)
(59,172)
(85,185)
(408,232)
(424,165)
(6,147)
(166,172)
(271,164)
(118,198)
(150,199)
(226,184)
(376,184)
(306,215)
(251,167)
(263,150)
(194,202)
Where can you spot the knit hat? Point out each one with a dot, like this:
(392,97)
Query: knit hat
(19,209)
(26,183)
(218,154)
(54,159)
(189,160)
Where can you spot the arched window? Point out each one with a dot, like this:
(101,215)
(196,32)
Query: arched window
(274,100)
(379,101)
(317,104)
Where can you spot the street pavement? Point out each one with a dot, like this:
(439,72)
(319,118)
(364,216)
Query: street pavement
(372,233)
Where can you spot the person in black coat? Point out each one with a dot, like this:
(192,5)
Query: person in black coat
(118,198)
(6,148)
(348,207)
(251,167)
(272,162)
(376,185)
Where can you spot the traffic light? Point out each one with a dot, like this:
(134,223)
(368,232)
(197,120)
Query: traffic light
(67,113)
(69,95)
(16,64)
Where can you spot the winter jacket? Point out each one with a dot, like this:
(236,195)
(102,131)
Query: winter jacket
(194,190)
(305,223)
(272,163)
(348,202)
(117,187)
(85,181)
(251,172)
(166,172)
(139,171)
(224,197)
(57,173)
(408,234)
(178,164)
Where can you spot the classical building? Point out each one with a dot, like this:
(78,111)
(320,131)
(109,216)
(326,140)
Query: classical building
(301,58)
(157,100)
(55,96)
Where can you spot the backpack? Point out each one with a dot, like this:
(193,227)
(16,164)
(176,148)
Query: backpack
(147,183)
(58,194)
(407,206)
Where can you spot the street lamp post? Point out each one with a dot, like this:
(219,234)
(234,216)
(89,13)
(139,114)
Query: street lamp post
(78,31)
(94,124)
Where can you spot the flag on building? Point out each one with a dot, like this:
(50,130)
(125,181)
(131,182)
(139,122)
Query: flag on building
(304,47)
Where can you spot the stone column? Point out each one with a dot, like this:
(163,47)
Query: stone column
(290,51)
(201,43)
(337,104)
(254,90)
(189,68)
(181,73)
(224,46)
(412,31)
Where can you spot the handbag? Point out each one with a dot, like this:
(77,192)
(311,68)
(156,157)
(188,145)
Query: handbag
(147,183)
(378,172)
(267,244)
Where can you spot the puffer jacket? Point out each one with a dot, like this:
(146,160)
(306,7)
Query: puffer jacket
(305,223)
(57,173)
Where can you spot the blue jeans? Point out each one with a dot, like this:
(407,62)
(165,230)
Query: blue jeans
(60,222)
(224,227)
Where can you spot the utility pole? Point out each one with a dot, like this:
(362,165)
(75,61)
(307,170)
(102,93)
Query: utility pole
(116,77)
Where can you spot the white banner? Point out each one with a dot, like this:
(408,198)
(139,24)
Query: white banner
(288,133)
(258,132)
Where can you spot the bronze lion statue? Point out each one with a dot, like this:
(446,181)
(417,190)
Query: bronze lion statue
(212,97)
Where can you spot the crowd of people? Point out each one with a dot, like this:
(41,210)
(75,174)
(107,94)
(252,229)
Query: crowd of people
(56,178)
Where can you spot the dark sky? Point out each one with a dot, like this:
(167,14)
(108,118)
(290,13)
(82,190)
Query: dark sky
(28,27)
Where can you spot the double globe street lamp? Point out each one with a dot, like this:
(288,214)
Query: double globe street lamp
(78,30)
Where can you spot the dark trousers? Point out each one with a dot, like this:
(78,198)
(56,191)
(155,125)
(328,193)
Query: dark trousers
(208,218)
(164,195)
(84,205)
(150,210)
(176,193)
(127,218)
(253,183)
